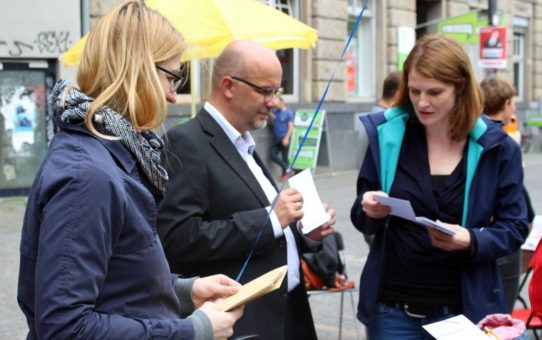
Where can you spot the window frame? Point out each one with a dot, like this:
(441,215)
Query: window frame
(291,6)
(366,32)
(518,58)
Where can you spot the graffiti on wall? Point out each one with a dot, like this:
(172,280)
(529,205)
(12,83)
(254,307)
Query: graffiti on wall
(45,42)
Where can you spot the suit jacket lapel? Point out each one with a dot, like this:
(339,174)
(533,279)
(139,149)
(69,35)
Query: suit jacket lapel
(227,151)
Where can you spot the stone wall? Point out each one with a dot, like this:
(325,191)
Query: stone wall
(399,13)
(330,18)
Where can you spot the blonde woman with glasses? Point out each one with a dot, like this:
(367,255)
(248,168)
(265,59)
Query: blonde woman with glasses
(92,265)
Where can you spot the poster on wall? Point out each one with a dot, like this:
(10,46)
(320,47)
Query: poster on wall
(22,125)
(308,155)
(492,47)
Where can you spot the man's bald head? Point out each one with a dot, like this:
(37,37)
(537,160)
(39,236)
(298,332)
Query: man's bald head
(246,78)
(239,57)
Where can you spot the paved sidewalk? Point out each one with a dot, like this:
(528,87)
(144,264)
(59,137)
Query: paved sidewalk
(338,189)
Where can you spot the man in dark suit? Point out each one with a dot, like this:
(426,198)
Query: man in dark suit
(219,195)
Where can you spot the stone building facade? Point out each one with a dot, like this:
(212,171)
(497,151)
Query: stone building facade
(33,33)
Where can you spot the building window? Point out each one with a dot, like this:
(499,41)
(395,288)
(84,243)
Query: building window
(518,57)
(184,93)
(289,58)
(360,75)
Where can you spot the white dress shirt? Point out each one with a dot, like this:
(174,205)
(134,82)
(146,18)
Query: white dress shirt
(245,145)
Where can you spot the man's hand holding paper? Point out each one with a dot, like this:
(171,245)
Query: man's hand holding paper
(289,207)
(318,218)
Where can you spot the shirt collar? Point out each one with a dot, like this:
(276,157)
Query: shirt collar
(244,143)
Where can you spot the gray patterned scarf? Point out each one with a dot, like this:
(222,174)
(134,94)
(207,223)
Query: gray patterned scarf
(72,107)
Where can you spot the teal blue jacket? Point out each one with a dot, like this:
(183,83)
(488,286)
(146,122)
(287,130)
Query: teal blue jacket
(494,208)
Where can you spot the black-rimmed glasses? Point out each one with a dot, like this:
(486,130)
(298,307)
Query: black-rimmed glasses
(267,92)
(176,82)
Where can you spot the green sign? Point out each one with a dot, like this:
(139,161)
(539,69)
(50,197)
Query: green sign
(464,28)
(309,152)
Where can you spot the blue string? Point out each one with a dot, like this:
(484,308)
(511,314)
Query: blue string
(320,103)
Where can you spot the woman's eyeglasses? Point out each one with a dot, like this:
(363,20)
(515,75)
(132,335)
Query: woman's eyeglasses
(267,92)
(175,81)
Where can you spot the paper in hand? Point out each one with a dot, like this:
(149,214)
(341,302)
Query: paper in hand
(252,290)
(455,328)
(402,208)
(314,213)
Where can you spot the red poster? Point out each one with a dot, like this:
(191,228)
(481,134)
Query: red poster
(493,47)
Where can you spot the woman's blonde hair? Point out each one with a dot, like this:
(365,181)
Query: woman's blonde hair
(441,58)
(118,67)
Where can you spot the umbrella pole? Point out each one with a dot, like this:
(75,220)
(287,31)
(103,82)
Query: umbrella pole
(193,88)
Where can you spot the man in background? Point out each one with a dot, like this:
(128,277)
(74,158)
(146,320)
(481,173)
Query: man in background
(283,126)
(390,88)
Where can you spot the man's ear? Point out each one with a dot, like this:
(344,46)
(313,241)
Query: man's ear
(227,87)
(507,104)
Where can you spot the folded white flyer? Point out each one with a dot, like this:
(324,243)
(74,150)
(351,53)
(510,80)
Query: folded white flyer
(314,213)
(402,208)
(455,328)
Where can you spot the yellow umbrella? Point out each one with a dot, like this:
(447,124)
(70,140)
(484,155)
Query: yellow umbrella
(209,25)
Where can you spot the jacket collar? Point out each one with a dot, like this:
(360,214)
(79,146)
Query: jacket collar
(227,151)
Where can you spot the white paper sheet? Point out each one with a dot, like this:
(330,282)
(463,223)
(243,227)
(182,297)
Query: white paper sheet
(455,328)
(402,208)
(314,213)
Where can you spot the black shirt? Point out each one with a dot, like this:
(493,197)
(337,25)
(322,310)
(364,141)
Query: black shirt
(414,271)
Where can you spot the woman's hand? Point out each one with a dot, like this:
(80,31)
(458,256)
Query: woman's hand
(372,208)
(461,240)
(222,322)
(213,287)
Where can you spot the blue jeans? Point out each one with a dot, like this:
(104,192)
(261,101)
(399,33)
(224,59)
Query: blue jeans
(393,323)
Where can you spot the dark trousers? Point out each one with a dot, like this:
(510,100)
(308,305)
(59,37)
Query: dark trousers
(299,322)
(279,155)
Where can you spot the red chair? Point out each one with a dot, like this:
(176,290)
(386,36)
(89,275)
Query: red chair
(532,321)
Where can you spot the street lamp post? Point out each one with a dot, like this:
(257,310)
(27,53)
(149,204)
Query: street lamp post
(492,20)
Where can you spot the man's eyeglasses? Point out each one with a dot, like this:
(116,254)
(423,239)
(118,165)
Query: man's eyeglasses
(175,81)
(267,92)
